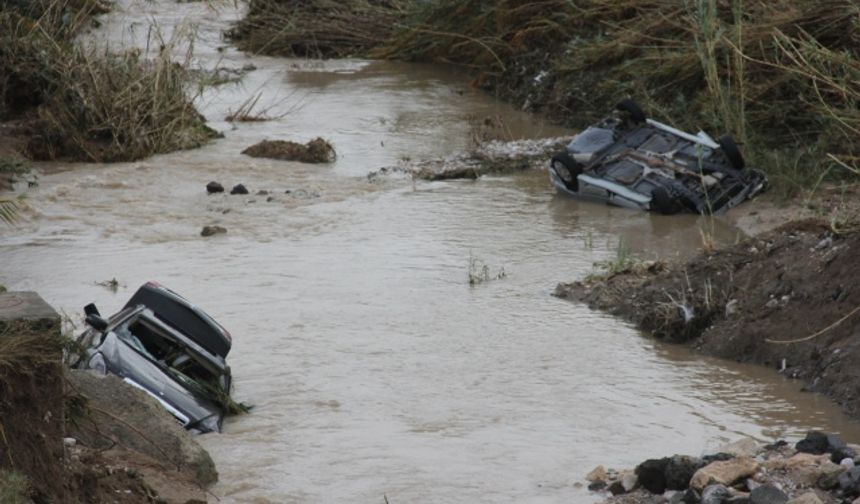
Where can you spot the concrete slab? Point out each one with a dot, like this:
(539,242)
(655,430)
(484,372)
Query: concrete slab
(30,307)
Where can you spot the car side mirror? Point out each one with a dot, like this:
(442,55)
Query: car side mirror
(96,322)
(91,309)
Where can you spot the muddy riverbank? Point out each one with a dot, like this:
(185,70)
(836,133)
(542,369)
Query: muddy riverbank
(786,299)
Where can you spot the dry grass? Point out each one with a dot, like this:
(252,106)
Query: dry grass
(316,28)
(782,75)
(24,350)
(91,105)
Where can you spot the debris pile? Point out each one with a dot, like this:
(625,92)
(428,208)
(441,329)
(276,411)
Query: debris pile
(819,469)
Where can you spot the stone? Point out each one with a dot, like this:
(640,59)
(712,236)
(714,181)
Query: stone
(596,474)
(744,447)
(849,481)
(652,474)
(212,231)
(828,475)
(69,442)
(239,189)
(129,417)
(841,453)
(768,494)
(724,472)
(807,498)
(715,494)
(616,487)
(597,486)
(804,459)
(629,481)
(680,470)
(815,442)
(214,187)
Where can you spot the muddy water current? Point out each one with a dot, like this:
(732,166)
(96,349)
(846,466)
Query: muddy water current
(375,368)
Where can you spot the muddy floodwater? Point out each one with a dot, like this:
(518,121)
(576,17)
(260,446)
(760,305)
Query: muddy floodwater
(374,367)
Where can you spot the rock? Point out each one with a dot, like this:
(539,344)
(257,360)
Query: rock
(596,474)
(744,447)
(818,442)
(129,417)
(768,494)
(828,475)
(239,189)
(69,442)
(717,456)
(616,488)
(680,470)
(804,459)
(724,472)
(807,498)
(849,481)
(715,494)
(317,150)
(597,486)
(847,463)
(214,187)
(629,481)
(841,453)
(262,192)
(212,230)
(652,474)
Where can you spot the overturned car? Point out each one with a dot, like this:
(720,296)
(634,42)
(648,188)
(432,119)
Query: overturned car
(167,347)
(632,161)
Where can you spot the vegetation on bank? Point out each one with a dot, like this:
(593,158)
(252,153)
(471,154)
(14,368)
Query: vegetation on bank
(87,104)
(783,76)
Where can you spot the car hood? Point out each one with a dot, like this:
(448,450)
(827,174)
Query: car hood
(194,411)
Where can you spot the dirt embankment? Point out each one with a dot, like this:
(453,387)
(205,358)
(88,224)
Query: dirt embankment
(788,299)
(70,436)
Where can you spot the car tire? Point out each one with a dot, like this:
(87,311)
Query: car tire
(633,109)
(732,152)
(568,164)
(662,202)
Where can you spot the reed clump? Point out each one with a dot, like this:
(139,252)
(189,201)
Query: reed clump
(782,75)
(317,28)
(86,104)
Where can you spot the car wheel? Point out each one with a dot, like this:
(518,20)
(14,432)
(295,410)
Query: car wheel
(566,167)
(662,201)
(732,152)
(632,108)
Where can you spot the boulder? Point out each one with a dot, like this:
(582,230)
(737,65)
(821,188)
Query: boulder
(629,481)
(679,471)
(807,498)
(724,472)
(126,416)
(849,481)
(715,494)
(768,494)
(214,187)
(212,231)
(652,474)
(616,488)
(744,447)
(842,453)
(828,475)
(239,189)
(815,442)
(804,459)
(596,474)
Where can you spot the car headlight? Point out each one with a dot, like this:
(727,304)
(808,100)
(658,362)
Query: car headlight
(97,363)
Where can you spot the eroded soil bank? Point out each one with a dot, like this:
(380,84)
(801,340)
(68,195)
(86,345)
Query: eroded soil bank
(787,299)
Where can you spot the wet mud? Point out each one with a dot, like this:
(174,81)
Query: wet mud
(786,299)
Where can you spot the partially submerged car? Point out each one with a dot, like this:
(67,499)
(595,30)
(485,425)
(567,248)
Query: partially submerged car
(632,161)
(182,368)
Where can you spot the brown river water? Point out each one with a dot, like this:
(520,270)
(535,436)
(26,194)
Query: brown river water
(374,367)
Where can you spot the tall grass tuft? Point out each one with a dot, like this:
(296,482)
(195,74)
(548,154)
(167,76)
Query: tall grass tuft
(316,28)
(88,104)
